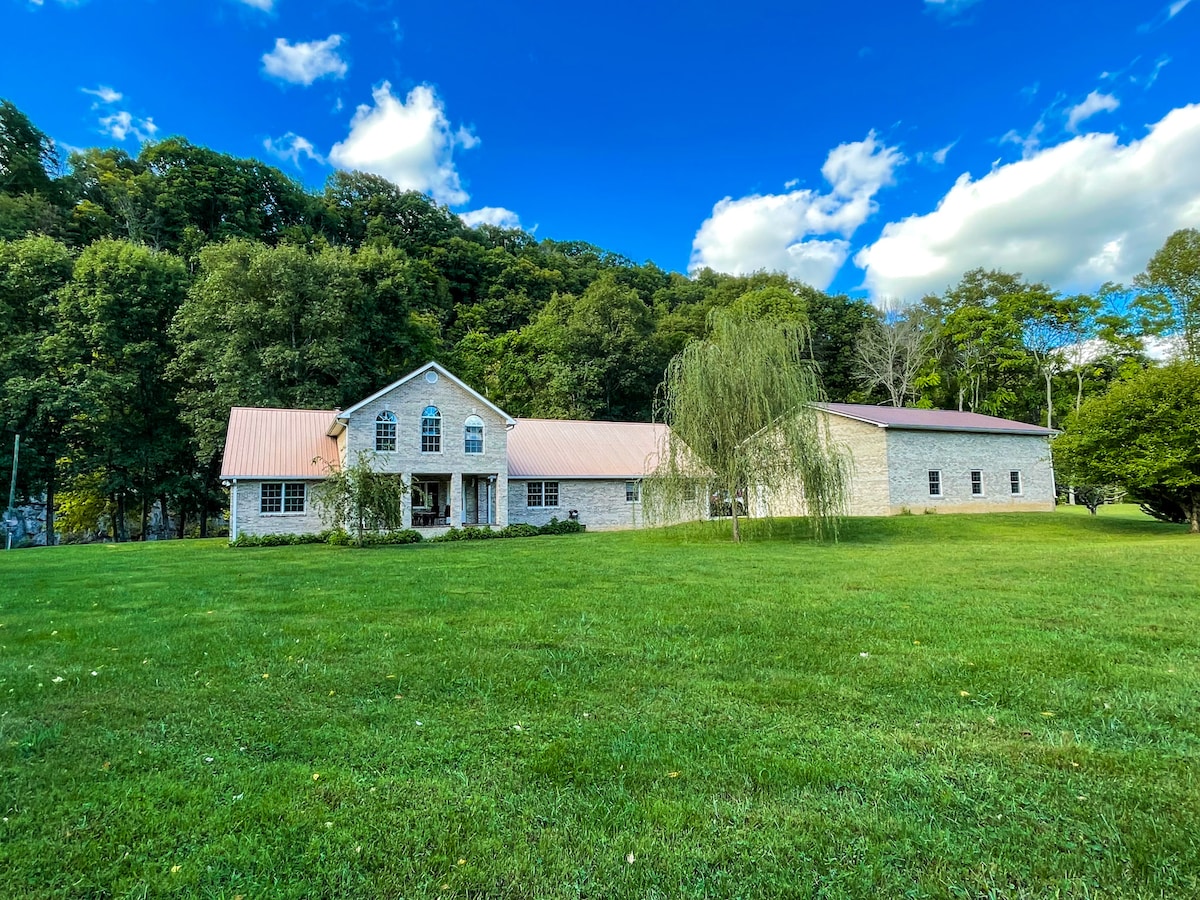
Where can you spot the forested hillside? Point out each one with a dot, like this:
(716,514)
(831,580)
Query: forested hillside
(141,297)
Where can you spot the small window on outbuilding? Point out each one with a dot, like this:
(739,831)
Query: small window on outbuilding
(633,491)
(935,483)
(473,435)
(385,432)
(976,483)
(431,430)
(1014,482)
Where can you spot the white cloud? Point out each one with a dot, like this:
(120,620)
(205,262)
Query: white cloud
(937,157)
(491,215)
(291,147)
(105,95)
(1093,103)
(1086,211)
(1165,15)
(948,7)
(803,233)
(409,142)
(264,5)
(123,124)
(305,62)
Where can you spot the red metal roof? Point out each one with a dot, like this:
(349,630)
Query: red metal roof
(279,443)
(931,419)
(562,448)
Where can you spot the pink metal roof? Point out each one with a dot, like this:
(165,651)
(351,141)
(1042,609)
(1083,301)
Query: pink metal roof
(278,443)
(931,419)
(561,448)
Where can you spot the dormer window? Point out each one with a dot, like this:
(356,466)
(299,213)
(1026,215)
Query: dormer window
(473,435)
(431,430)
(385,432)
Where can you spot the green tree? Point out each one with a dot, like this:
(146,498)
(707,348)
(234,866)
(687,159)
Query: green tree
(112,345)
(37,400)
(1171,286)
(27,156)
(739,405)
(1143,435)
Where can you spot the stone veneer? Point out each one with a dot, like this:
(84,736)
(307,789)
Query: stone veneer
(912,454)
(890,471)
(407,402)
(601,504)
(246,498)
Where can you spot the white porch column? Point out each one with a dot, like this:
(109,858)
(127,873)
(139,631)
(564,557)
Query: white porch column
(456,500)
(501,489)
(406,507)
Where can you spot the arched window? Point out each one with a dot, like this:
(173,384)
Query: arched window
(431,430)
(385,432)
(473,435)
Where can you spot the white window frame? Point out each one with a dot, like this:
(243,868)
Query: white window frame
(287,493)
(633,492)
(930,475)
(542,491)
(1018,482)
(384,422)
(431,440)
(974,482)
(473,422)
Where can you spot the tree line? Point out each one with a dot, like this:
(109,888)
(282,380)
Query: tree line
(143,296)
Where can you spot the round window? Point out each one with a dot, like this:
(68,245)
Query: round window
(431,376)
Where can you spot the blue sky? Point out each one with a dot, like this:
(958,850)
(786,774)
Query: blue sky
(870,146)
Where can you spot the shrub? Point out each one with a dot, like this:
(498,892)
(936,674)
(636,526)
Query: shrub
(336,538)
(278,540)
(567,526)
(519,530)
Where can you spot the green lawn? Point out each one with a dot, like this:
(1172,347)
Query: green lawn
(938,706)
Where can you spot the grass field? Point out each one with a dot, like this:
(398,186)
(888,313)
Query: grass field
(938,706)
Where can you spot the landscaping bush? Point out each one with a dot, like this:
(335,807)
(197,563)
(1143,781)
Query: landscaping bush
(335,538)
(388,538)
(520,530)
(567,526)
(342,538)
(279,540)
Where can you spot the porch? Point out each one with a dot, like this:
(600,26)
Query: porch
(440,501)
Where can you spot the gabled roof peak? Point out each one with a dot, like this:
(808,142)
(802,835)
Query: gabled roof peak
(421,370)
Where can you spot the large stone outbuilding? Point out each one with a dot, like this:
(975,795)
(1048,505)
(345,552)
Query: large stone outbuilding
(470,463)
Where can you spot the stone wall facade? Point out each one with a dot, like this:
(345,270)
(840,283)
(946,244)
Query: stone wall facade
(866,445)
(913,454)
(245,498)
(601,504)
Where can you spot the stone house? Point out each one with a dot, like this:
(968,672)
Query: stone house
(913,460)
(469,463)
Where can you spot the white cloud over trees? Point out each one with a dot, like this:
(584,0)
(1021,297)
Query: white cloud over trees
(1075,215)
(408,141)
(804,233)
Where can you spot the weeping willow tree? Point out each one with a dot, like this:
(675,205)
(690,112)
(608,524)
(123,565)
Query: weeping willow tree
(358,497)
(739,407)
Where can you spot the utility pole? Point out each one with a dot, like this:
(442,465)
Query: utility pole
(12,487)
(10,525)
